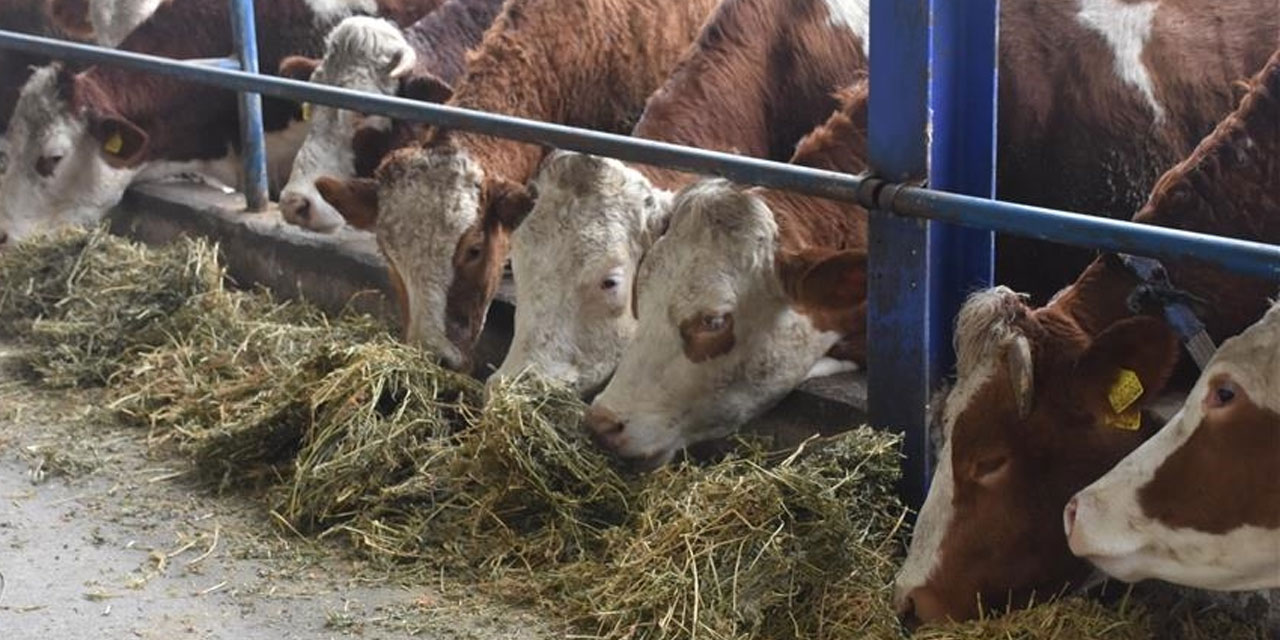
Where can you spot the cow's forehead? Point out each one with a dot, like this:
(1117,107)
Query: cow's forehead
(428,193)
(587,204)
(358,49)
(40,108)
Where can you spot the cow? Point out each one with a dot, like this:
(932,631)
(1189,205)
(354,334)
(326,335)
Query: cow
(760,76)
(444,208)
(769,266)
(106,22)
(367,54)
(1091,138)
(109,22)
(78,139)
(1047,400)
(1199,503)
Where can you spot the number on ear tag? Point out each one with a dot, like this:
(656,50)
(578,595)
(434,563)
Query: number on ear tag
(1124,391)
(114,144)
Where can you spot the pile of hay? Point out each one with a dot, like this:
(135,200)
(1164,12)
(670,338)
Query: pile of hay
(360,437)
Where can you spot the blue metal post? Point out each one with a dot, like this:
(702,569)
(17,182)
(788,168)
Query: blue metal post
(253,147)
(962,154)
(899,350)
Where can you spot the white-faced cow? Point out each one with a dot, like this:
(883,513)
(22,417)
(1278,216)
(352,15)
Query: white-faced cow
(738,302)
(367,54)
(760,76)
(78,139)
(23,16)
(1048,400)
(1091,135)
(1199,503)
(444,209)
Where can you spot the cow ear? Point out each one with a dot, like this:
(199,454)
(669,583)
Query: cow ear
(72,18)
(298,67)
(1126,366)
(425,87)
(509,202)
(355,199)
(824,279)
(122,143)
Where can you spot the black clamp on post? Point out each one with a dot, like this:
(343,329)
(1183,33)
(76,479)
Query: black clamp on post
(1156,290)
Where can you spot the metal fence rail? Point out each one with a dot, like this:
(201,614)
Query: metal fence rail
(919,270)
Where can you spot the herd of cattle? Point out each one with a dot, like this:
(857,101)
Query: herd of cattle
(686,306)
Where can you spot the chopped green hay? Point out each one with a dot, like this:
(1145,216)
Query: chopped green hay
(364,438)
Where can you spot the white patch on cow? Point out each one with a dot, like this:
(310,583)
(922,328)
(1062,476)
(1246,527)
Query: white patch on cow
(360,54)
(830,367)
(717,257)
(574,259)
(114,20)
(331,11)
(854,15)
(1112,531)
(427,200)
(984,332)
(1126,28)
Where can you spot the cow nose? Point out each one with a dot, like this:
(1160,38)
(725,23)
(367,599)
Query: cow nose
(604,426)
(296,208)
(1069,515)
(920,606)
(907,614)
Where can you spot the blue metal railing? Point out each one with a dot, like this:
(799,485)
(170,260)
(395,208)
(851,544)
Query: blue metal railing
(909,254)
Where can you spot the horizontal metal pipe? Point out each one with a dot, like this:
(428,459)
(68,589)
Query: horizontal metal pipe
(1103,234)
(221,63)
(1250,258)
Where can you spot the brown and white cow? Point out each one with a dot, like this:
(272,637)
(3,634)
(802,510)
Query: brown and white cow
(78,139)
(1199,503)
(367,54)
(445,209)
(1048,400)
(106,22)
(761,75)
(739,302)
(1092,138)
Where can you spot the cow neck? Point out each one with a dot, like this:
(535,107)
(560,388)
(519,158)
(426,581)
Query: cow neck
(443,36)
(1099,298)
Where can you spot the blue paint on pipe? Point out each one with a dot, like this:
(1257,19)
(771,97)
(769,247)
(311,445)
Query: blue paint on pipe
(962,155)
(899,274)
(253,147)
(220,63)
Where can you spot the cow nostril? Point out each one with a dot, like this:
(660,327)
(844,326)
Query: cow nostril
(603,423)
(907,614)
(1069,515)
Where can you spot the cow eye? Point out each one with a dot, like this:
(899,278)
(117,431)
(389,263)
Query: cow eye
(473,252)
(609,284)
(46,165)
(1222,395)
(988,471)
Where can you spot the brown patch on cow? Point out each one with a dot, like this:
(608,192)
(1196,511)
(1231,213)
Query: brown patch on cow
(830,288)
(356,199)
(759,77)
(478,260)
(406,12)
(72,16)
(701,342)
(1224,476)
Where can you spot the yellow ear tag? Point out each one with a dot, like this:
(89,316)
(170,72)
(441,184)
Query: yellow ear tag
(1128,421)
(306,112)
(1124,391)
(114,144)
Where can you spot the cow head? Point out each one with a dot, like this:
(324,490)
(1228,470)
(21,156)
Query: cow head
(444,228)
(71,155)
(1029,421)
(574,259)
(364,54)
(1199,503)
(728,325)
